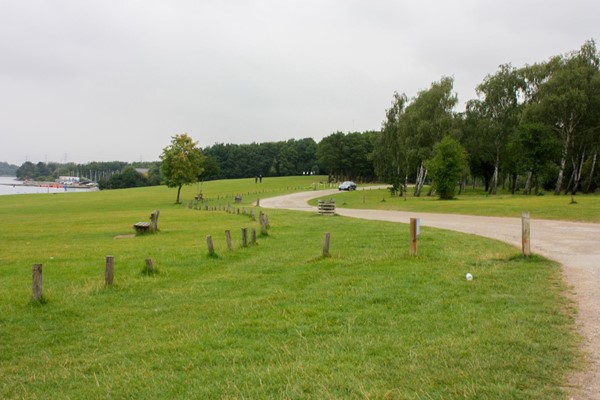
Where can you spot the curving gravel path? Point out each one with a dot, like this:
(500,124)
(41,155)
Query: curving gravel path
(575,245)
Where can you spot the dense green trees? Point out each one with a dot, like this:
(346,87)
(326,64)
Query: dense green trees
(7,169)
(292,157)
(447,166)
(410,131)
(347,156)
(527,125)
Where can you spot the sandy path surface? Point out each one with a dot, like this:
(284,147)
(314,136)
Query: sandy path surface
(575,245)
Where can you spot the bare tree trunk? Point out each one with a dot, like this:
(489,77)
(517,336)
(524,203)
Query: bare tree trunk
(527,189)
(563,163)
(420,178)
(494,185)
(592,170)
(178,192)
(578,171)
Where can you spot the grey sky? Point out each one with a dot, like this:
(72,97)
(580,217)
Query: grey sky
(115,79)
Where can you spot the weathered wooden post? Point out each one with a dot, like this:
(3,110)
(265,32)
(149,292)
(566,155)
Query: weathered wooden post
(253,236)
(244,237)
(413,236)
(37,282)
(109,272)
(525,234)
(211,246)
(326,240)
(149,265)
(257,202)
(154,221)
(228,238)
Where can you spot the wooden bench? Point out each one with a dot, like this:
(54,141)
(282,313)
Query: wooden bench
(152,226)
(327,207)
(141,227)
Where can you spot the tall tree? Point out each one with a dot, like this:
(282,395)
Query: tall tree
(568,101)
(390,155)
(499,105)
(427,119)
(182,162)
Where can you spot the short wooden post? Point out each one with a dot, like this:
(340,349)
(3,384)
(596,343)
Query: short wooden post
(154,221)
(257,202)
(525,234)
(326,240)
(244,237)
(413,236)
(228,238)
(211,246)
(37,282)
(253,236)
(149,265)
(109,272)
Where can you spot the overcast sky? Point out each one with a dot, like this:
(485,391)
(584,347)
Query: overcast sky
(115,79)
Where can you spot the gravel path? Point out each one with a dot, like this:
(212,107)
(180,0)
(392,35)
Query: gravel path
(575,245)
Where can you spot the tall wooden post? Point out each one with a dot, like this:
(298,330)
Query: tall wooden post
(413,236)
(326,240)
(37,282)
(109,271)
(244,237)
(228,238)
(211,247)
(525,234)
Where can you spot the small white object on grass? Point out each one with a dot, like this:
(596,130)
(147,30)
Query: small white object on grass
(469,277)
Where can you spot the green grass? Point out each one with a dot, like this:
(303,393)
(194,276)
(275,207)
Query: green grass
(475,202)
(273,320)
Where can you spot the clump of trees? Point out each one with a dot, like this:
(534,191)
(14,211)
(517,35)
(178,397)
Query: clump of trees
(530,127)
(286,158)
(7,169)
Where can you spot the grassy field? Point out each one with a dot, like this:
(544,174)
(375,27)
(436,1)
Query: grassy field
(475,202)
(273,320)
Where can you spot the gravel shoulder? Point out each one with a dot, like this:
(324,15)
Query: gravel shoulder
(574,245)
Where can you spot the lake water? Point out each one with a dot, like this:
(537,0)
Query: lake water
(9,185)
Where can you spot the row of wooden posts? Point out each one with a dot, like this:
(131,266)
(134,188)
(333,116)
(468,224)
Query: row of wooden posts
(414,228)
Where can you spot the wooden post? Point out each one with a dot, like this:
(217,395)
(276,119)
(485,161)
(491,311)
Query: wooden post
(228,238)
(154,221)
(525,234)
(413,236)
(109,272)
(37,282)
(326,239)
(257,202)
(244,237)
(253,236)
(149,265)
(211,247)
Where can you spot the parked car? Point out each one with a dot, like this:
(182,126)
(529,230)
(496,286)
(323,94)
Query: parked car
(348,185)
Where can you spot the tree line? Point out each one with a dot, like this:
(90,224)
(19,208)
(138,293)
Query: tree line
(530,129)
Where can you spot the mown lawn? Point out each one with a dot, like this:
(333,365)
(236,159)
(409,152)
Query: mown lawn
(275,319)
(586,208)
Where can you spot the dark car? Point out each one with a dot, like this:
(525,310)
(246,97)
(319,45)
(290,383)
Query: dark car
(348,185)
